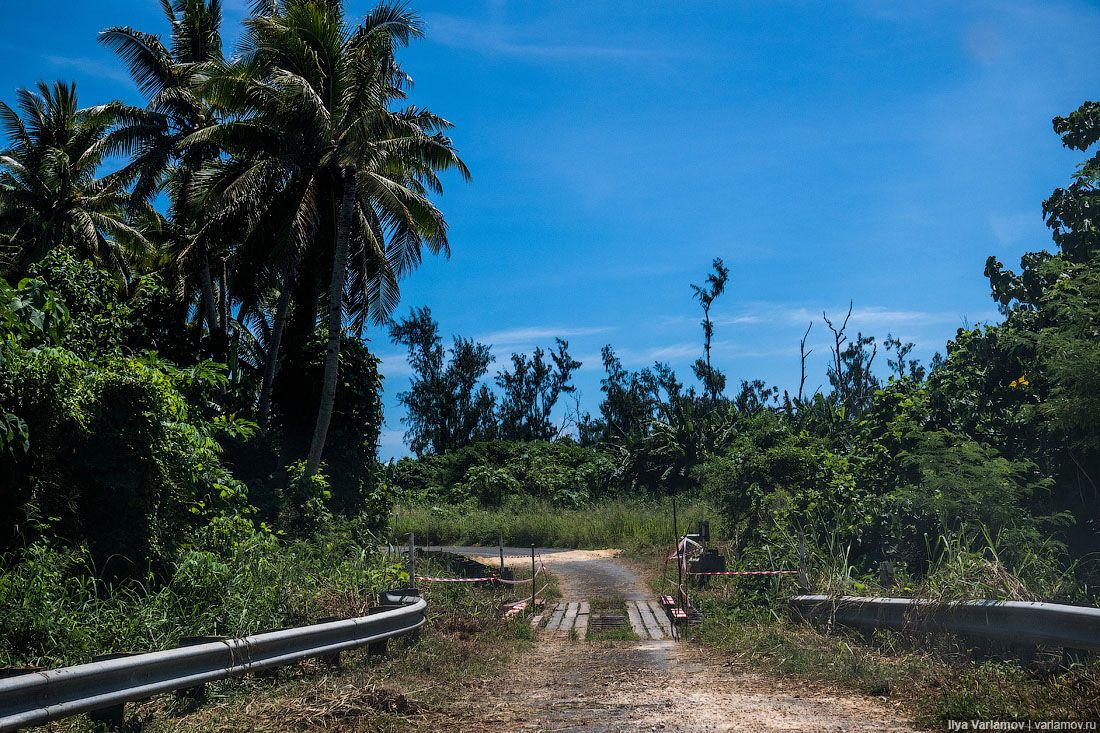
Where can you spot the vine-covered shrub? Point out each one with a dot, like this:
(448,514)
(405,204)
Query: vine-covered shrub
(903,491)
(772,483)
(116,459)
(113,451)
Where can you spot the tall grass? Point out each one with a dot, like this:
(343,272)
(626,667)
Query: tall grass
(937,677)
(618,523)
(934,683)
(55,612)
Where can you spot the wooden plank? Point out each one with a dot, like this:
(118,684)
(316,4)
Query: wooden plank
(556,617)
(662,617)
(636,620)
(570,617)
(535,621)
(651,626)
(583,614)
(571,614)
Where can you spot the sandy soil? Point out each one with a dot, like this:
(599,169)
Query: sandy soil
(594,687)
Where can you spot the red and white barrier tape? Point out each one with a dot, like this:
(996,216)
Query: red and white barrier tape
(455,580)
(748,572)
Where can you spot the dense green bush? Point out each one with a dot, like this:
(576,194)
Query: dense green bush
(489,473)
(116,460)
(772,483)
(103,320)
(107,446)
(900,492)
(118,451)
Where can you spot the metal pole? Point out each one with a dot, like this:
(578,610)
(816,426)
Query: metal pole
(412,560)
(533,579)
(803,575)
(679,565)
(502,554)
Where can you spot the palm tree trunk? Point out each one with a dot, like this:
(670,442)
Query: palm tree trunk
(335,320)
(223,302)
(273,350)
(208,300)
(210,303)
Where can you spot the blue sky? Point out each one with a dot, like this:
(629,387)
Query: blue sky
(828,151)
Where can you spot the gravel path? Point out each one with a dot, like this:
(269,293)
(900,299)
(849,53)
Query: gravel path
(594,687)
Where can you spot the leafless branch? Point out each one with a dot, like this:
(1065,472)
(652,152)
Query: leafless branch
(804,354)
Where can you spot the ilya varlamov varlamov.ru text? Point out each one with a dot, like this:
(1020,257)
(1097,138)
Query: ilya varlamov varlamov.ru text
(1020,725)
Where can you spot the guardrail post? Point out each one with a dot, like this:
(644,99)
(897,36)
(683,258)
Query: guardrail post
(381,647)
(886,574)
(198,692)
(330,660)
(679,563)
(111,717)
(533,571)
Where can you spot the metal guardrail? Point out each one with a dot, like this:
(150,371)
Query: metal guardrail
(39,697)
(1052,624)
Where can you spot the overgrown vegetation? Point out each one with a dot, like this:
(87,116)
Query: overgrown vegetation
(936,679)
(189,414)
(413,685)
(230,580)
(618,523)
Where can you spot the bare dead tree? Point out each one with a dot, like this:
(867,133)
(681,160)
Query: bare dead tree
(840,339)
(802,351)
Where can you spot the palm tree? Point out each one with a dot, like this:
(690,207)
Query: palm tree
(153,139)
(50,194)
(317,154)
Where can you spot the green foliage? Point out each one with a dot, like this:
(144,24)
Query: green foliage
(446,407)
(628,524)
(117,460)
(228,579)
(351,466)
(771,483)
(486,481)
(303,508)
(948,479)
(103,320)
(30,316)
(490,473)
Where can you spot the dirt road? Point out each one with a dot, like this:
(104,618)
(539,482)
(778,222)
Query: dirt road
(567,684)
